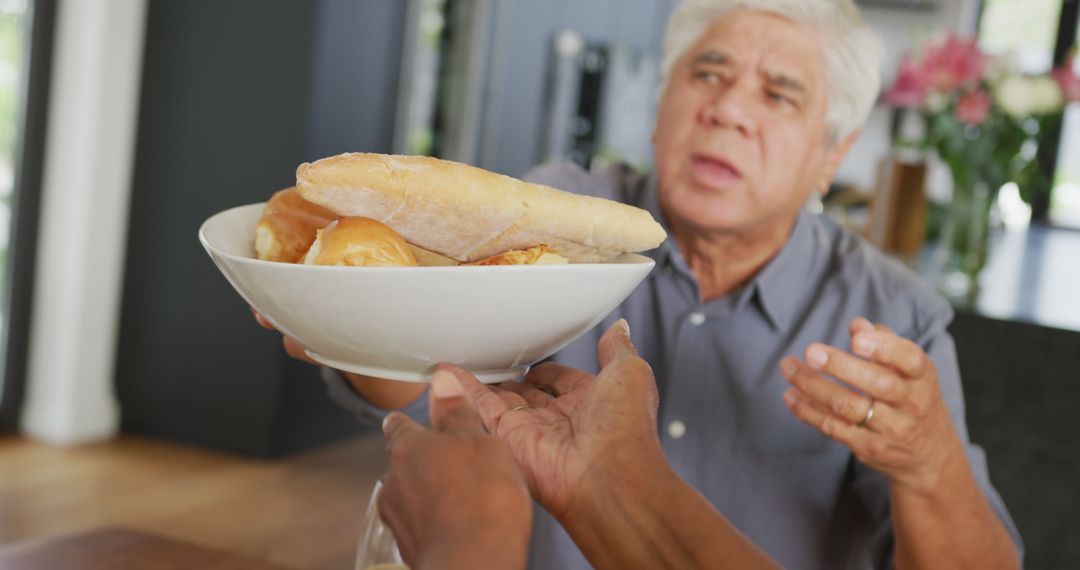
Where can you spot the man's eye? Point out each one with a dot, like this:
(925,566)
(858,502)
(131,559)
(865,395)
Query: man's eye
(707,76)
(776,97)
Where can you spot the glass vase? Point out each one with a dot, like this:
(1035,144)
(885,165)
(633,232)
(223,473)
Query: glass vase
(964,235)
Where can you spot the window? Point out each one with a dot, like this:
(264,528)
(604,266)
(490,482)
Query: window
(25,51)
(1025,30)
(12,42)
(1030,32)
(1065,201)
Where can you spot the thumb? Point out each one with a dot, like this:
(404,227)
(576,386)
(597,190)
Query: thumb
(615,343)
(259,318)
(623,371)
(397,427)
(450,410)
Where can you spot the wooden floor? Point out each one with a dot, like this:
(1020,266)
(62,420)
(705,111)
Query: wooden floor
(301,512)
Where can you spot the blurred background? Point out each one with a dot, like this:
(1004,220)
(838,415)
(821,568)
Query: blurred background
(126,123)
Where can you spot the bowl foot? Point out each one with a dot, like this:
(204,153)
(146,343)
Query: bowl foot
(485,376)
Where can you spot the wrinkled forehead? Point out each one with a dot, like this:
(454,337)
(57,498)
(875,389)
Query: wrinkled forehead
(763,41)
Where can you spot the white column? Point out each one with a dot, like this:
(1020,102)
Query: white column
(93,110)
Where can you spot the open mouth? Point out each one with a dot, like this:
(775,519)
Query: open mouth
(714,171)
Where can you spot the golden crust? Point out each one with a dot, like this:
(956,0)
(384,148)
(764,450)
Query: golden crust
(360,242)
(468,213)
(288,225)
(531,256)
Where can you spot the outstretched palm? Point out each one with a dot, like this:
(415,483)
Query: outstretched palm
(560,421)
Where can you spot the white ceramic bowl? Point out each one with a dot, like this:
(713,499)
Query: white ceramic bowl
(399,322)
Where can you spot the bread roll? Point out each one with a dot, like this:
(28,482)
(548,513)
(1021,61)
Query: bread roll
(288,225)
(431,259)
(468,213)
(359,241)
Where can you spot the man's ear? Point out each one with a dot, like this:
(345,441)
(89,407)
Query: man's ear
(834,158)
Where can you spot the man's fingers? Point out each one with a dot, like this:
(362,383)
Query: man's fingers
(888,349)
(449,409)
(483,399)
(296,350)
(534,397)
(457,417)
(855,438)
(628,374)
(839,400)
(552,377)
(842,403)
(872,378)
(615,343)
(292,347)
(859,324)
(261,320)
(397,427)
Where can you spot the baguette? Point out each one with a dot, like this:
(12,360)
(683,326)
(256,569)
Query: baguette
(467,213)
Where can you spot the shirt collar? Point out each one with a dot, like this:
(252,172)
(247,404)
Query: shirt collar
(780,286)
(776,287)
(667,254)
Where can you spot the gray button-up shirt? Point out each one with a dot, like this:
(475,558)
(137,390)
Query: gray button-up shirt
(800,496)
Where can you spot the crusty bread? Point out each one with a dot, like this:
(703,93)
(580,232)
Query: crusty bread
(359,242)
(287,227)
(467,213)
(427,258)
(539,255)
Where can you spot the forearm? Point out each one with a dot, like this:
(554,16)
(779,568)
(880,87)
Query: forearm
(385,394)
(949,524)
(502,546)
(657,520)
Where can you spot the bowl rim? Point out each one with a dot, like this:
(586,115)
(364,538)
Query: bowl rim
(633,260)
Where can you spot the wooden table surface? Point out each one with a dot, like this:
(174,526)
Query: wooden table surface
(116,548)
(304,511)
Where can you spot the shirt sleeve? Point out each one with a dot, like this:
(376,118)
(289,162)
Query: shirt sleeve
(872,487)
(342,393)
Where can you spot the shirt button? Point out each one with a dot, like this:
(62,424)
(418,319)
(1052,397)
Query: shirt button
(697,319)
(676,429)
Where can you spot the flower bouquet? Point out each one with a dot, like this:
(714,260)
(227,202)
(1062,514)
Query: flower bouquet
(983,121)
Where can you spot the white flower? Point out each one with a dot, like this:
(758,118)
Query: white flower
(1022,96)
(1015,96)
(936,102)
(1048,97)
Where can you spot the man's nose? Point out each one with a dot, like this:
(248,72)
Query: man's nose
(731,107)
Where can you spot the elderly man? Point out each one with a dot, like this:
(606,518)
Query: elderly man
(824,457)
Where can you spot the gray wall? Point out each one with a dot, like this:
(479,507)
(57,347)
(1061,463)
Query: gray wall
(236,93)
(513,123)
(355,76)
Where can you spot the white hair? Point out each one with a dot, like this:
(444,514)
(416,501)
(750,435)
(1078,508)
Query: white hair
(853,53)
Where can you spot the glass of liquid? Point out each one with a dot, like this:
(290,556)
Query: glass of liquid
(378,549)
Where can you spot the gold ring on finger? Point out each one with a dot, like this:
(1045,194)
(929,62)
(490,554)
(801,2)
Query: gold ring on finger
(869,414)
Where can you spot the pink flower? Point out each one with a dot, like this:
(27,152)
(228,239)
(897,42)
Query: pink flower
(1068,80)
(910,87)
(973,107)
(954,64)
